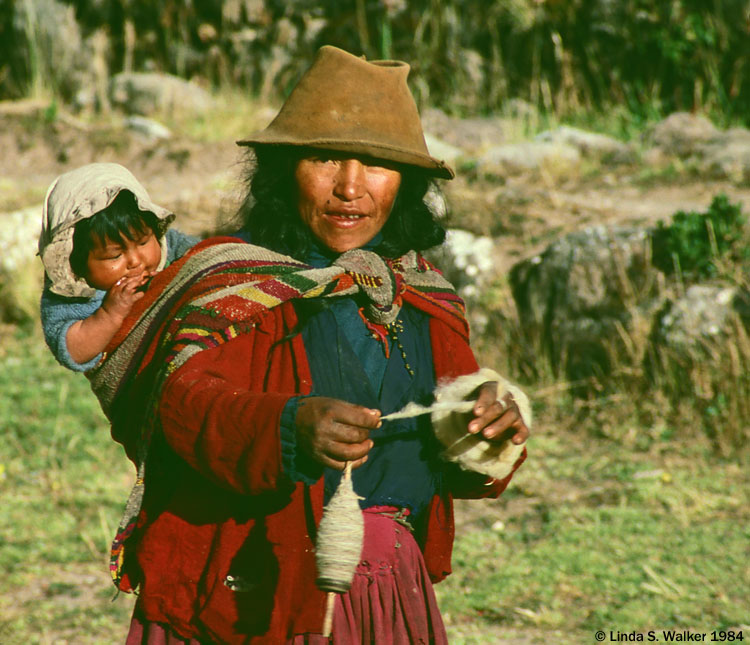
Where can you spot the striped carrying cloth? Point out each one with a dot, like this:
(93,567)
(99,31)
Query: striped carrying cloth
(219,290)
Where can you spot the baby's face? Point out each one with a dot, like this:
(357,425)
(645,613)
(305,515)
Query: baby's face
(110,261)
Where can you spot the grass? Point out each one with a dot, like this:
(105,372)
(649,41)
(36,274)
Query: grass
(63,482)
(593,534)
(604,538)
(632,511)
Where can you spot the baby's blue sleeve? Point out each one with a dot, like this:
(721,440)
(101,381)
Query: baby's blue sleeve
(58,314)
(178,244)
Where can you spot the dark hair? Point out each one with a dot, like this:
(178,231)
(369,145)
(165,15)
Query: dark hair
(121,219)
(270,217)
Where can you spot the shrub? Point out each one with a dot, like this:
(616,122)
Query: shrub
(694,243)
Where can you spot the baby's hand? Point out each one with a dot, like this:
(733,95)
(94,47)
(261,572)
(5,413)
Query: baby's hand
(123,295)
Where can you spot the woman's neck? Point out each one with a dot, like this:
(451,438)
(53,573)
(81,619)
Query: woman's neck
(321,256)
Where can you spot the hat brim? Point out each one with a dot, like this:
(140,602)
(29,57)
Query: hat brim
(434,167)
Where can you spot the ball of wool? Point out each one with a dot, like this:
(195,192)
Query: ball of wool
(472,451)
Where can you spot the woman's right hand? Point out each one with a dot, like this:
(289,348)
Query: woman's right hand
(334,432)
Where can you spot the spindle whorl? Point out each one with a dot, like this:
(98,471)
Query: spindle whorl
(340,535)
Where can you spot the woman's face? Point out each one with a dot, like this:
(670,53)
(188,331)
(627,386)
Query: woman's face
(345,202)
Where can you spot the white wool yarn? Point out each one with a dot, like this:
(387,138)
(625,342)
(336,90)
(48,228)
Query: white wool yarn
(473,451)
(339,545)
(448,413)
(340,536)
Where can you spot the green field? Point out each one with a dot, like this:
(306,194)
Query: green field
(593,533)
(63,482)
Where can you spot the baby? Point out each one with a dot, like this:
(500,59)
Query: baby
(102,239)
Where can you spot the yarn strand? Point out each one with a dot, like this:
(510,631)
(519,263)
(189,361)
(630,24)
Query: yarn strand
(415,409)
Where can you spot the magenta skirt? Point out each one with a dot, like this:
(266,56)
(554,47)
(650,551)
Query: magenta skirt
(391,599)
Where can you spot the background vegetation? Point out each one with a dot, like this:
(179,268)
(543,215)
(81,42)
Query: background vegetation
(563,56)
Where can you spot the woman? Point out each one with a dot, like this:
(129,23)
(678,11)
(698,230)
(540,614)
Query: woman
(261,411)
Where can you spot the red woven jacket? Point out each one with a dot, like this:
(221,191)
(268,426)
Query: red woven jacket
(218,503)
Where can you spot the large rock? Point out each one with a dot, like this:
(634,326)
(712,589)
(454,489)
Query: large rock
(705,314)
(727,156)
(150,93)
(576,299)
(718,154)
(593,300)
(149,129)
(554,159)
(51,30)
(20,270)
(699,346)
(472,135)
(682,134)
(591,144)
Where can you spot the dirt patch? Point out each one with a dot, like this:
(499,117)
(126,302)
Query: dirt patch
(64,590)
(199,181)
(202,183)
(526,214)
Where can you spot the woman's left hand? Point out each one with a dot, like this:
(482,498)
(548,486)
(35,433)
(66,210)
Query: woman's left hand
(497,420)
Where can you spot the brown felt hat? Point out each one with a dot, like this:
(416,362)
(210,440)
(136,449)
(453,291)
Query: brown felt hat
(348,104)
